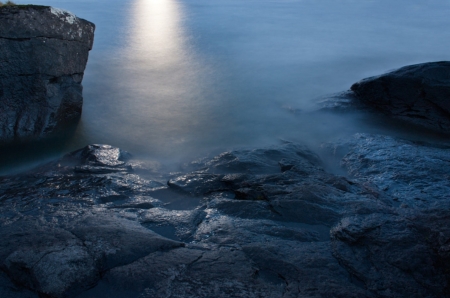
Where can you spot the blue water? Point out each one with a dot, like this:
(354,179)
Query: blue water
(177,79)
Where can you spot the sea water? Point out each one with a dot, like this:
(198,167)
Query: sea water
(172,80)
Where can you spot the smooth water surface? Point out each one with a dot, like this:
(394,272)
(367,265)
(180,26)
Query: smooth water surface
(176,79)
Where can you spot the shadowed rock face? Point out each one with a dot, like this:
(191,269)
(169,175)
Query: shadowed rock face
(43,55)
(419,94)
(268,222)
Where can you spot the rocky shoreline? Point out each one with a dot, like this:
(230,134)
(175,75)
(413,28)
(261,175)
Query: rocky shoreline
(266,222)
(253,223)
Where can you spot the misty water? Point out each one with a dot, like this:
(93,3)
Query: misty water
(173,80)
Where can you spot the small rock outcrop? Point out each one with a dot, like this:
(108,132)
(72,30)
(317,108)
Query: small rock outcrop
(419,94)
(43,55)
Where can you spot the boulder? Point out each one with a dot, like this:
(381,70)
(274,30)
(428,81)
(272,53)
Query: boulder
(43,55)
(419,94)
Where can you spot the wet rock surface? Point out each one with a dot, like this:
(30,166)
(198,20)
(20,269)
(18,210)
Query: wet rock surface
(418,94)
(270,222)
(43,55)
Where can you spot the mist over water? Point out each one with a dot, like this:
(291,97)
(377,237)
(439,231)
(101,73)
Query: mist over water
(172,80)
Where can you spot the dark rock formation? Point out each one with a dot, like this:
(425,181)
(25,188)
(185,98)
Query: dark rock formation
(43,54)
(251,223)
(402,251)
(419,94)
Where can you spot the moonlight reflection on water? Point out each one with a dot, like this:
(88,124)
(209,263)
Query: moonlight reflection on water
(177,79)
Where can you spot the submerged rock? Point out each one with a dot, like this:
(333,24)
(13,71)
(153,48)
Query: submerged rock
(268,222)
(43,55)
(419,94)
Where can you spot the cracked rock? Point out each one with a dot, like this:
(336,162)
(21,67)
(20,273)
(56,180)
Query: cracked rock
(43,55)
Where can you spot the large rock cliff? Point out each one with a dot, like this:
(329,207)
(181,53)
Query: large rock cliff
(43,55)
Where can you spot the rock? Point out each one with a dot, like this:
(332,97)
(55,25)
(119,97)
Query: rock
(99,159)
(43,55)
(45,259)
(395,255)
(416,174)
(400,251)
(419,94)
(55,243)
(268,222)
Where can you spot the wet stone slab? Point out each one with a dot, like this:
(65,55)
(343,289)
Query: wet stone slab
(269,222)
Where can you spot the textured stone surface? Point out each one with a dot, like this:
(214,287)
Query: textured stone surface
(268,222)
(402,251)
(43,55)
(419,94)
